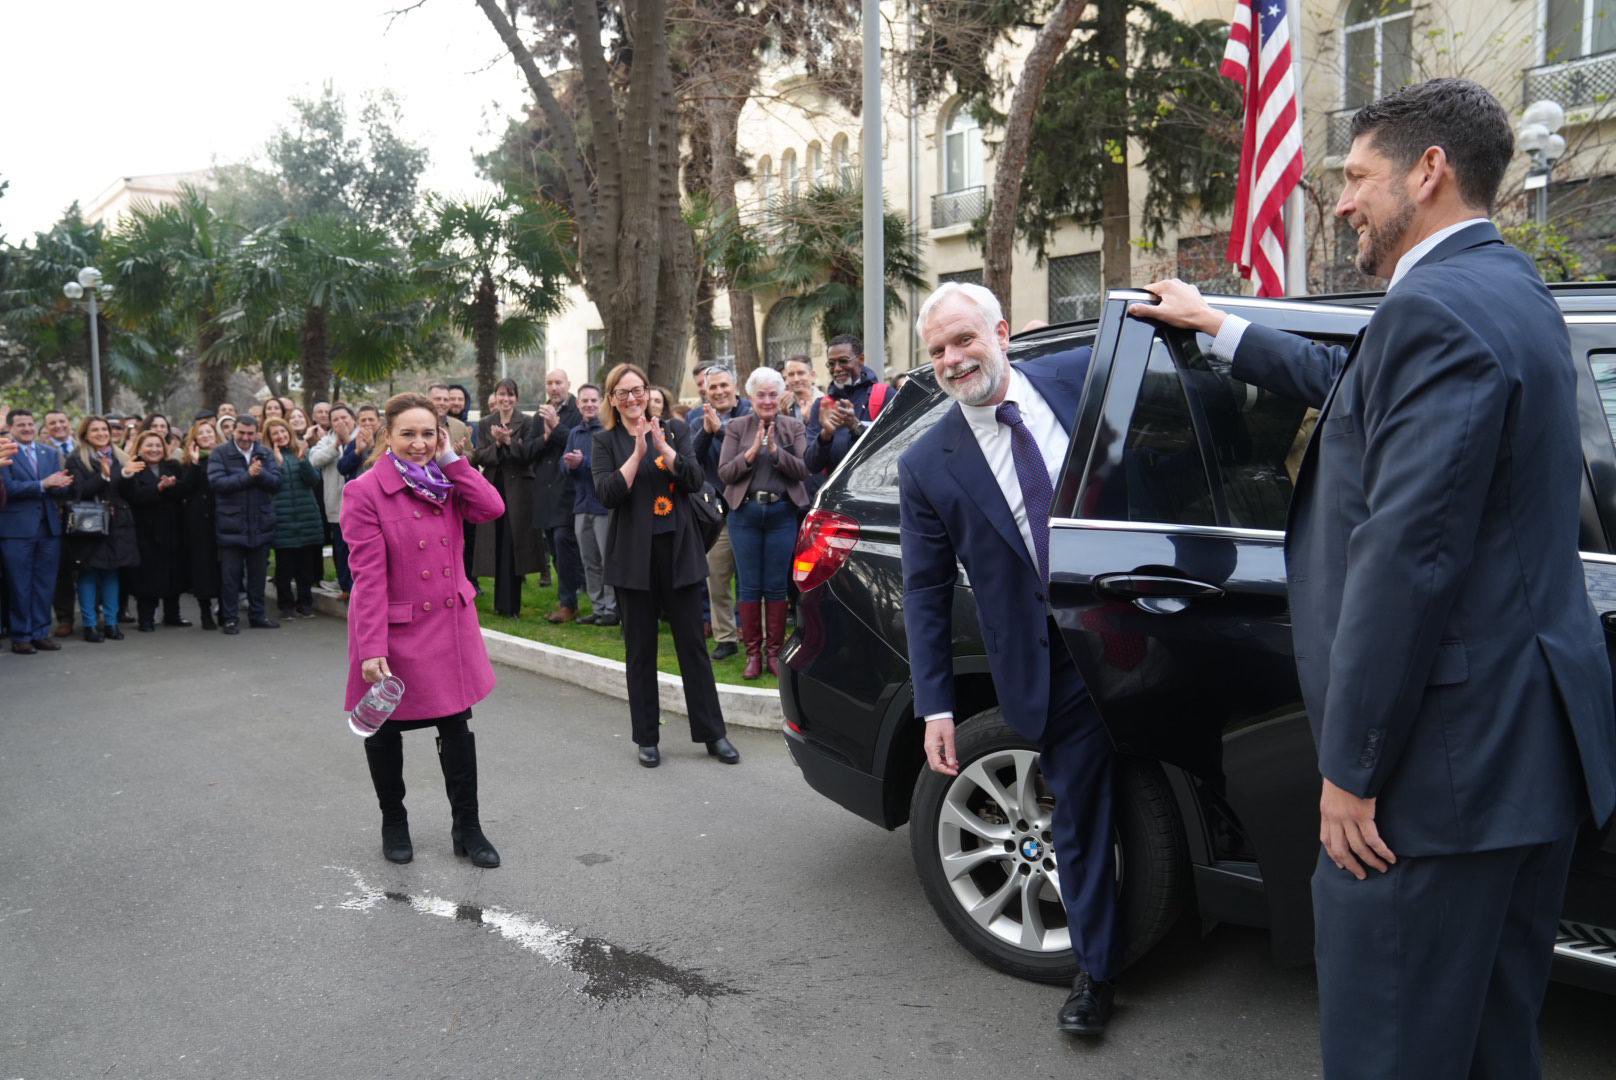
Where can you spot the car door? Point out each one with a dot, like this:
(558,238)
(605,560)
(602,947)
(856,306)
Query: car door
(1168,582)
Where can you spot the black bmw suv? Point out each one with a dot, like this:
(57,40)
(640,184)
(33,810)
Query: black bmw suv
(1167,578)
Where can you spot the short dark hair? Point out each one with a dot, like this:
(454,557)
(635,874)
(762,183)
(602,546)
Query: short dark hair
(438,386)
(342,406)
(1460,116)
(508,385)
(588,386)
(11,417)
(55,412)
(846,339)
(367,407)
(246,420)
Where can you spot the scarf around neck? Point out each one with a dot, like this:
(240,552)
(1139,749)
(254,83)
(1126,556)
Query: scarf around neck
(427,480)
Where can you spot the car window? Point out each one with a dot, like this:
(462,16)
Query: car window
(1603,365)
(1161,476)
(874,475)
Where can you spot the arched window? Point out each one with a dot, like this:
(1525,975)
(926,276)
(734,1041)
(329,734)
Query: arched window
(765,184)
(786,332)
(839,160)
(816,164)
(790,184)
(1379,38)
(962,150)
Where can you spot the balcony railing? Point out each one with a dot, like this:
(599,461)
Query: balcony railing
(1338,132)
(958,207)
(1587,80)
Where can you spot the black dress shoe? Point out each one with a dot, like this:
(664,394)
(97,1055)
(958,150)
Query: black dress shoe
(724,650)
(147,628)
(231,628)
(263,624)
(724,751)
(396,846)
(178,622)
(587,620)
(111,632)
(23,648)
(1088,1007)
(46,644)
(650,757)
(609,619)
(94,636)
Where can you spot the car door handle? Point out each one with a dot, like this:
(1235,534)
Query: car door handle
(1153,587)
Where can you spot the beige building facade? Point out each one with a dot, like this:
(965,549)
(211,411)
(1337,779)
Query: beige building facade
(121,196)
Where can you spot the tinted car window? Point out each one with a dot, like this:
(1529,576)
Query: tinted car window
(875,474)
(1603,365)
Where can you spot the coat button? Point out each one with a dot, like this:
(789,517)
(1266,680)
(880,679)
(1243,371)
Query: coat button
(449,602)
(444,540)
(418,513)
(422,545)
(445,571)
(425,574)
(426,605)
(437,512)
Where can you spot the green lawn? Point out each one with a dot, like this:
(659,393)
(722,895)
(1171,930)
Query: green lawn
(604,641)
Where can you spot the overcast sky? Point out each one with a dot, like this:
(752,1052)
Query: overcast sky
(97,89)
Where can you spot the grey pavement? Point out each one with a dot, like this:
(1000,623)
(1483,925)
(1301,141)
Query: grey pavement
(191,886)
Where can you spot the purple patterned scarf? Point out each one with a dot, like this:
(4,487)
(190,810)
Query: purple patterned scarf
(427,480)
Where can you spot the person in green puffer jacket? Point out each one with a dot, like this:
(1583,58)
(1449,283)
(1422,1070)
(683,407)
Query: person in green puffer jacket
(299,529)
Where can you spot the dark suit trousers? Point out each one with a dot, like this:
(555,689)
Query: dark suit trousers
(1437,968)
(234,563)
(31,574)
(1080,767)
(569,562)
(639,608)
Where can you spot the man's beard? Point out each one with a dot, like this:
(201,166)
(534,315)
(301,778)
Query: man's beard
(983,383)
(1383,240)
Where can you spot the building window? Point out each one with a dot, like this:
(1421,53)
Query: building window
(1379,50)
(723,347)
(789,182)
(816,164)
(1202,261)
(787,331)
(1575,28)
(840,159)
(1585,211)
(1075,287)
(962,277)
(962,151)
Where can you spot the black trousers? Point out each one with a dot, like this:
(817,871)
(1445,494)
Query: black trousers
(639,608)
(297,571)
(1436,969)
(234,564)
(507,583)
(569,562)
(67,592)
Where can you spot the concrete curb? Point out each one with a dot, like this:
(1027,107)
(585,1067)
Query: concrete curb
(744,706)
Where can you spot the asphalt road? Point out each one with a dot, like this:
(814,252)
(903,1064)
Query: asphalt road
(191,886)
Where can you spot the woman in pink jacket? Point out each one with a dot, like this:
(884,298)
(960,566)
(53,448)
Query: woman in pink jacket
(411,613)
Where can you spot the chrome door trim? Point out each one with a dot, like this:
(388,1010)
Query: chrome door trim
(1218,531)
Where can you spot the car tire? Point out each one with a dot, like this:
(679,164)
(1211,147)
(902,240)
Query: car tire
(1153,866)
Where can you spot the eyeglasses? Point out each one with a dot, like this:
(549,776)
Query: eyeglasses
(635,393)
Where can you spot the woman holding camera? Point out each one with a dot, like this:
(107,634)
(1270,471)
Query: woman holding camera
(98,470)
(645,471)
(412,616)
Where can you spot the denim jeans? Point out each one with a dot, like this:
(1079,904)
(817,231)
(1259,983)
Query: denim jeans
(764,538)
(98,589)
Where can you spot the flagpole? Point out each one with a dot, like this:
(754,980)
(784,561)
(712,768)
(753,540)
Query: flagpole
(1295,211)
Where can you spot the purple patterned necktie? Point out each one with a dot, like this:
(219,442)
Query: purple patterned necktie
(1037,494)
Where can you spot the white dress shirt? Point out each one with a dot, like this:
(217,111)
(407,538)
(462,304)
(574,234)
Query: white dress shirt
(1234,327)
(995,441)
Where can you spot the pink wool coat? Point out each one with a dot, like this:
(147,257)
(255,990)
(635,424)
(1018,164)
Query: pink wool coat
(411,601)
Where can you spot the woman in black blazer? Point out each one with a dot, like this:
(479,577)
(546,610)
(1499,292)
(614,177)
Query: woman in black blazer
(645,472)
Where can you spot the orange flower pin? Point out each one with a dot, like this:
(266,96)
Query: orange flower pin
(662,507)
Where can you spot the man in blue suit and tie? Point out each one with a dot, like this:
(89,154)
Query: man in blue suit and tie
(977,490)
(1454,671)
(31,533)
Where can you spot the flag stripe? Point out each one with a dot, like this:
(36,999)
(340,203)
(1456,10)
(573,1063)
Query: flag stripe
(1258,56)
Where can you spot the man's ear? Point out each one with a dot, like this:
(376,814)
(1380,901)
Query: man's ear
(1430,171)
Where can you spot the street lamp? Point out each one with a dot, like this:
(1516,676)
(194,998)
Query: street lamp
(91,286)
(1539,135)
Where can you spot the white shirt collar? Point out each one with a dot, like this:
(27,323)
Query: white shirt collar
(982,418)
(1425,247)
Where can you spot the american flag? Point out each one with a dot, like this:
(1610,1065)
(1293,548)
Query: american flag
(1271,152)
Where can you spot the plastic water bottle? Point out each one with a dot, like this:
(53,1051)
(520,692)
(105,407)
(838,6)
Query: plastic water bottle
(376,706)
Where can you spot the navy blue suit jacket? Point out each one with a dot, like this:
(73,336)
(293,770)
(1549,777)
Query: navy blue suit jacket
(25,506)
(952,512)
(1451,663)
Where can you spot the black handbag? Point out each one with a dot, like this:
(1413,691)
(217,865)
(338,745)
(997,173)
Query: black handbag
(709,509)
(91,518)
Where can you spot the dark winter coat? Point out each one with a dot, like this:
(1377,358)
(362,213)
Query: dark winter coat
(823,456)
(552,485)
(243,505)
(508,469)
(118,548)
(297,511)
(159,531)
(201,541)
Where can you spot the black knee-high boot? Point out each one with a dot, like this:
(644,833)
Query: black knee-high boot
(457,754)
(386,759)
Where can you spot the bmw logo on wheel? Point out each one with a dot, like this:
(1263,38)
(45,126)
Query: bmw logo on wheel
(1029,848)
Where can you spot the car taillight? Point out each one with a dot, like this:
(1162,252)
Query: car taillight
(823,545)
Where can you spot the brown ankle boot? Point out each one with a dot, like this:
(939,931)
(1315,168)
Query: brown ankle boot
(774,613)
(751,618)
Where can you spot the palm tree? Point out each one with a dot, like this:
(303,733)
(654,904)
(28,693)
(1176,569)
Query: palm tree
(478,256)
(816,256)
(170,263)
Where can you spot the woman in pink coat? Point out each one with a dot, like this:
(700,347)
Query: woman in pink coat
(411,615)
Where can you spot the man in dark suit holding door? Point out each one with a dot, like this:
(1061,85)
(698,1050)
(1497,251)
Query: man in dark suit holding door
(1454,671)
(977,490)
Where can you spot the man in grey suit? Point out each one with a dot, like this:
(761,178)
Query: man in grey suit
(1453,669)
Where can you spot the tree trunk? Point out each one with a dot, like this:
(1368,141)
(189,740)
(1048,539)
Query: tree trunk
(1116,211)
(212,373)
(723,123)
(706,293)
(272,377)
(1010,163)
(315,355)
(485,338)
